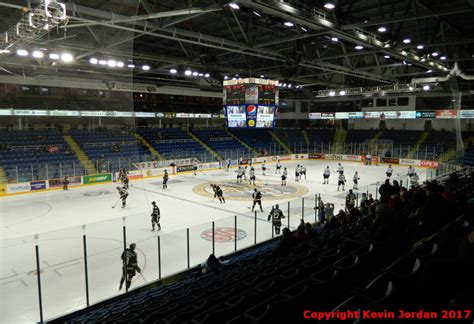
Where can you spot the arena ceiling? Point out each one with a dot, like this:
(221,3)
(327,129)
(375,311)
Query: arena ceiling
(300,42)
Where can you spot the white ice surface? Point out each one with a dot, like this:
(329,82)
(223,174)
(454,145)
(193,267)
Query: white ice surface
(54,221)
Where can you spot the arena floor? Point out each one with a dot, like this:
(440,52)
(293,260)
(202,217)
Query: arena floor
(57,220)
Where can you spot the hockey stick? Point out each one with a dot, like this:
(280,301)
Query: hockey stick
(116,203)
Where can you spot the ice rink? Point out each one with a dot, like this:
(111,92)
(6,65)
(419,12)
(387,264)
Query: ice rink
(56,221)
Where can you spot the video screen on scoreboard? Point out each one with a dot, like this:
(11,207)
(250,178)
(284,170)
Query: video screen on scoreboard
(234,94)
(250,116)
(267,94)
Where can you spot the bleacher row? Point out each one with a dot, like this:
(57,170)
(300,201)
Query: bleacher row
(335,269)
(27,157)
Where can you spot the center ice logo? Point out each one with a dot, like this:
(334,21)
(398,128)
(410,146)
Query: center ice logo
(224,234)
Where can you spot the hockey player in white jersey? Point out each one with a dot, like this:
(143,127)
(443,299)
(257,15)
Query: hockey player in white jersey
(278,167)
(414,180)
(389,171)
(340,168)
(284,176)
(264,167)
(411,171)
(341,181)
(302,171)
(326,175)
(252,175)
(356,179)
(239,172)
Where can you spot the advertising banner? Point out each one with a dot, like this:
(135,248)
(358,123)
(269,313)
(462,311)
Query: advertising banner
(327,115)
(446,114)
(316,156)
(410,162)
(158,172)
(207,166)
(134,174)
(57,183)
(183,168)
(352,157)
(315,115)
(356,115)
(333,156)
(284,158)
(38,185)
(466,114)
(391,160)
(426,114)
(18,187)
(146,165)
(3,190)
(409,114)
(97,178)
(428,164)
(342,115)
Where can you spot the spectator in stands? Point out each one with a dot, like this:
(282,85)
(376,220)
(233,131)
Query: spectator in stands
(385,191)
(286,244)
(300,232)
(309,231)
(301,224)
(395,188)
(370,200)
(212,264)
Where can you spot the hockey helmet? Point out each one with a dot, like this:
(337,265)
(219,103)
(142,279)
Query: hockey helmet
(153,202)
(133,246)
(276,206)
(118,188)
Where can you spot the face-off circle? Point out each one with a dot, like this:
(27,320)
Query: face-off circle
(223,234)
(243,191)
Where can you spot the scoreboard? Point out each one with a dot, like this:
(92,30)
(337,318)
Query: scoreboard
(251,103)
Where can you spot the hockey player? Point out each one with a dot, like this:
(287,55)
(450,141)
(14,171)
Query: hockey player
(340,168)
(165,179)
(155,217)
(297,173)
(341,181)
(257,199)
(302,171)
(350,200)
(326,174)
(411,171)
(239,172)
(283,177)
(219,194)
(389,171)
(368,159)
(125,180)
(264,167)
(123,195)
(130,266)
(65,183)
(276,215)
(278,167)
(414,180)
(227,165)
(356,179)
(252,176)
(244,173)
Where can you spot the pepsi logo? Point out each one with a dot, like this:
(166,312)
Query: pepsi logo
(251,110)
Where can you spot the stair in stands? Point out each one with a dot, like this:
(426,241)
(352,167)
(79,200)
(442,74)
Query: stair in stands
(3,176)
(305,136)
(379,133)
(81,155)
(150,148)
(243,143)
(280,142)
(451,154)
(339,140)
(418,143)
(214,153)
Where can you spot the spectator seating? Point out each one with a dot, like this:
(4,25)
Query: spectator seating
(320,139)
(110,150)
(220,141)
(174,143)
(260,140)
(403,140)
(26,156)
(293,138)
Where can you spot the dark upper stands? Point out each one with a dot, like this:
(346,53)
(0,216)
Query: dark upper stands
(220,141)
(293,138)
(260,140)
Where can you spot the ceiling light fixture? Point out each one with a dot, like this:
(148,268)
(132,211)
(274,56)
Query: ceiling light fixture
(407,41)
(131,66)
(173,71)
(207,75)
(342,93)
(386,56)
(233,5)
(434,54)
(120,64)
(332,93)
(329,5)
(257,14)
(22,52)
(288,24)
(37,54)
(382,29)
(66,57)
(334,39)
(102,62)
(426,87)
(111,63)
(304,29)
(195,73)
(92,61)
(54,56)
(225,77)
(442,58)
(420,47)
(359,47)
(145,67)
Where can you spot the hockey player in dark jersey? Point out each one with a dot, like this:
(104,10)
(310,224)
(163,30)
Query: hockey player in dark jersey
(276,215)
(219,194)
(129,267)
(125,180)
(283,177)
(65,183)
(350,200)
(123,196)
(155,217)
(165,180)
(257,199)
